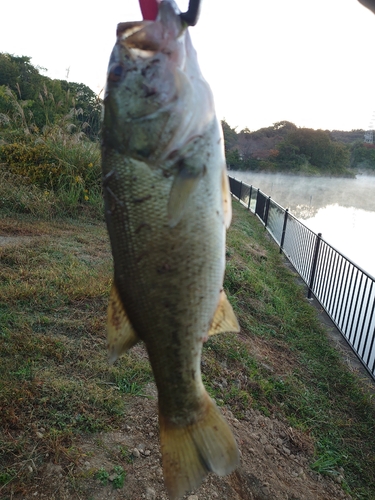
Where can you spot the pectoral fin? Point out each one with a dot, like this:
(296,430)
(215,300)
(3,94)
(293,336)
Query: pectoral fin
(184,184)
(224,318)
(227,200)
(120,333)
(191,169)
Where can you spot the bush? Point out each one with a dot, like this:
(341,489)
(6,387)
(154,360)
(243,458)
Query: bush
(68,166)
(363,155)
(34,162)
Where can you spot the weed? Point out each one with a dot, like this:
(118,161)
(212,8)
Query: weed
(327,463)
(308,383)
(126,454)
(119,479)
(130,386)
(7,476)
(134,379)
(24,372)
(102,475)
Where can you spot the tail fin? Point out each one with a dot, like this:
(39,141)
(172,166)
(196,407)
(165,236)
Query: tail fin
(190,452)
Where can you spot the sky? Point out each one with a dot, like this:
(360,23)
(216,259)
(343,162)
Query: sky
(310,62)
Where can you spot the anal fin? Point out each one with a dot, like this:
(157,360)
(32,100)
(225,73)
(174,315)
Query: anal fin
(224,319)
(190,452)
(120,333)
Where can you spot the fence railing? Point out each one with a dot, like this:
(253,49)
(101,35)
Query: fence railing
(344,290)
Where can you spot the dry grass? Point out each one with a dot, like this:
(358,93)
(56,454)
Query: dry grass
(55,381)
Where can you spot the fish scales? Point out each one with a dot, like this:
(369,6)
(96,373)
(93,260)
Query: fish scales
(152,270)
(167,206)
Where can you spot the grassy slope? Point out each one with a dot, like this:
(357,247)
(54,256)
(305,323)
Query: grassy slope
(293,370)
(55,381)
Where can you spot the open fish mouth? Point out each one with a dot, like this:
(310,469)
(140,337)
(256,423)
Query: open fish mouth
(143,37)
(140,37)
(151,70)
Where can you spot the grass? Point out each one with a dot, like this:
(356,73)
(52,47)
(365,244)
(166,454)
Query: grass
(57,171)
(56,385)
(55,382)
(47,204)
(135,378)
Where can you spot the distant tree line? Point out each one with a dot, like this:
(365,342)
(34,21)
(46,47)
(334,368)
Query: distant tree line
(286,147)
(35,109)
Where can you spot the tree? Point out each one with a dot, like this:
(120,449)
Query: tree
(8,71)
(46,102)
(234,161)
(289,156)
(363,155)
(245,144)
(315,147)
(230,136)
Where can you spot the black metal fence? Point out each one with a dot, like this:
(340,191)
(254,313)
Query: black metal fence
(345,291)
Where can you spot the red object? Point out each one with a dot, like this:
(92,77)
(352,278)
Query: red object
(149,9)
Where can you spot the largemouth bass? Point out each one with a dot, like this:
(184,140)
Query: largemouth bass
(167,206)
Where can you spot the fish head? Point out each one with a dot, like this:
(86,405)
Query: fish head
(154,87)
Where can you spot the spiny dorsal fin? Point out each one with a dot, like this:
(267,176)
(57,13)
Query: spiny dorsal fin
(227,200)
(224,319)
(120,333)
(190,452)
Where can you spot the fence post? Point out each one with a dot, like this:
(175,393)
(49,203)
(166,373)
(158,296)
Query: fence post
(267,210)
(248,206)
(314,262)
(256,201)
(284,230)
(240,191)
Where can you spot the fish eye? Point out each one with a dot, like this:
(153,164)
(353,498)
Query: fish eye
(116,72)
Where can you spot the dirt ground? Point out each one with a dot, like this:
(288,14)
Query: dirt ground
(274,463)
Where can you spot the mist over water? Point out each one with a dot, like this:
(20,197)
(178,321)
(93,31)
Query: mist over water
(342,209)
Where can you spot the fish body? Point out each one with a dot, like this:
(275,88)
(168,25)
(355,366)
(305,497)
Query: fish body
(167,206)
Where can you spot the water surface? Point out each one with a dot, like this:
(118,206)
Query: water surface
(342,209)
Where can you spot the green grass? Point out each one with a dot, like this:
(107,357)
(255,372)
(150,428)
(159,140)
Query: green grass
(136,376)
(54,375)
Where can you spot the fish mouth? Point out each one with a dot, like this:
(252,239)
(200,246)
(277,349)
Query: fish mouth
(146,80)
(141,44)
(145,38)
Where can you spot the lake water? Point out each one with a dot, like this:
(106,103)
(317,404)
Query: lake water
(342,209)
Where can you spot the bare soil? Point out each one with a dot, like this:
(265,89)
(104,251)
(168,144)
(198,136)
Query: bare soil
(275,462)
